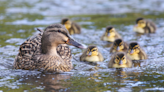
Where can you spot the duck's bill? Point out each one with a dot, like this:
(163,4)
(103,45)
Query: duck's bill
(75,43)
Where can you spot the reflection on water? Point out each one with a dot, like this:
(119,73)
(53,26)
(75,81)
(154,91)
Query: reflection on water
(49,82)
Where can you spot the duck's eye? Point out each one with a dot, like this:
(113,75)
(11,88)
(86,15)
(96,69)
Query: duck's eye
(123,58)
(117,58)
(59,30)
(136,48)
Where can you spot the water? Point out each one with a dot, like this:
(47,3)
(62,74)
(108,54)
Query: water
(19,20)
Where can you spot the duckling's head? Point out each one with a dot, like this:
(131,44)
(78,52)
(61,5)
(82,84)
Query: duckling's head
(120,60)
(92,51)
(141,23)
(134,48)
(110,31)
(57,34)
(118,45)
(67,23)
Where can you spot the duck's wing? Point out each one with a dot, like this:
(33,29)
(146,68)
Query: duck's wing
(101,58)
(76,28)
(30,47)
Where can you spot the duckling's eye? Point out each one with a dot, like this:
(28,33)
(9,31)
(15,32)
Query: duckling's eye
(136,48)
(117,58)
(93,50)
(123,58)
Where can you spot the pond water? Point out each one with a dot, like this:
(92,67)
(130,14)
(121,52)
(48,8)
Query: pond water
(19,20)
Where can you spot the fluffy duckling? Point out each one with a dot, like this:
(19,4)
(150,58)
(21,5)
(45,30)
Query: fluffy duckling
(48,51)
(91,54)
(120,60)
(144,26)
(71,26)
(119,46)
(110,34)
(135,52)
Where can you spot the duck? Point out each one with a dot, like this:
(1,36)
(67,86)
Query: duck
(71,26)
(47,51)
(110,34)
(144,26)
(120,60)
(135,52)
(119,46)
(92,54)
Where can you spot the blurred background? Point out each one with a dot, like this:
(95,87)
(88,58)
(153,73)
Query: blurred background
(20,18)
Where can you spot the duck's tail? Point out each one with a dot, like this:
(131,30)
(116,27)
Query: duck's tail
(40,30)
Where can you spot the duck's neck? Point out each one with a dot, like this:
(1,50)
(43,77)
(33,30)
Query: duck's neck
(52,51)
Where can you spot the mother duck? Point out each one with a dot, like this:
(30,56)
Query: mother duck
(47,51)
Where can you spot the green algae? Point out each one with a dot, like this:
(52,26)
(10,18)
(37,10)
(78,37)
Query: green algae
(100,21)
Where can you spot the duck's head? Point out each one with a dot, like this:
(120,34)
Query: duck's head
(57,34)
(92,51)
(67,23)
(118,45)
(134,48)
(120,60)
(110,31)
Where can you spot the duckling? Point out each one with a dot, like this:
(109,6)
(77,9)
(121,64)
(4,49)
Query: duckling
(144,26)
(71,26)
(120,60)
(47,51)
(110,34)
(119,46)
(91,54)
(135,52)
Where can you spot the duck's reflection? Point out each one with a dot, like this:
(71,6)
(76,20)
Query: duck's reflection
(50,82)
(120,73)
(137,63)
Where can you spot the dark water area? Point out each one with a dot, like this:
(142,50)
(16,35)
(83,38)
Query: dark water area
(19,20)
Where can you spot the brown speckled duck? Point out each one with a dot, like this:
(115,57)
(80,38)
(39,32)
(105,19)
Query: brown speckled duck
(71,26)
(120,60)
(144,26)
(91,54)
(47,51)
(135,52)
(119,46)
(110,34)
